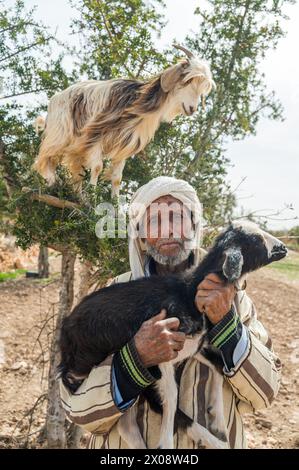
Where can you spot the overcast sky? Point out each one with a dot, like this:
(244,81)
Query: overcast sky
(269,161)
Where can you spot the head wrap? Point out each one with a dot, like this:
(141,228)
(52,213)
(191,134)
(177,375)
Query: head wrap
(144,196)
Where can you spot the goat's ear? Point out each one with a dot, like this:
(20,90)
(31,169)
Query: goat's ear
(171,76)
(233,263)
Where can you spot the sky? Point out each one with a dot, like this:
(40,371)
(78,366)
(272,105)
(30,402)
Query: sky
(268,163)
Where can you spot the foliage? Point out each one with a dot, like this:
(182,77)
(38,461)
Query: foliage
(11,275)
(117,38)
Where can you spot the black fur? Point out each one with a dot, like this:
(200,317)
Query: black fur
(104,321)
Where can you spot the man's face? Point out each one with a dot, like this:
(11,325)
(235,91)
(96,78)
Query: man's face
(167,224)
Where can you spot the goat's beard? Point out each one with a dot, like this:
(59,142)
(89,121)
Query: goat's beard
(168,260)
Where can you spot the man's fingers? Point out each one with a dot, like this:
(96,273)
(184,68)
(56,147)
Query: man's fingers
(214,278)
(208,284)
(178,336)
(203,293)
(176,346)
(172,323)
(160,316)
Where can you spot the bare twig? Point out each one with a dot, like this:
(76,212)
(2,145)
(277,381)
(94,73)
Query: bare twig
(23,49)
(30,412)
(51,200)
(13,95)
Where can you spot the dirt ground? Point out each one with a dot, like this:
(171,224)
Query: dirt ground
(27,305)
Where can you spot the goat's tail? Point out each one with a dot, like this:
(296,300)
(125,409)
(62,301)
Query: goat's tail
(50,152)
(39,125)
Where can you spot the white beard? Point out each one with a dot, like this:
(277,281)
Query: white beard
(165,259)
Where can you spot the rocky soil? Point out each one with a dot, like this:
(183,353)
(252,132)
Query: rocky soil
(27,310)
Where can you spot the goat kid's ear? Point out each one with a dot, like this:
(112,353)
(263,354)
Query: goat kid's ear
(171,77)
(233,263)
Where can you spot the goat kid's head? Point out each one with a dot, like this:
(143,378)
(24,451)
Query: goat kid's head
(246,248)
(186,82)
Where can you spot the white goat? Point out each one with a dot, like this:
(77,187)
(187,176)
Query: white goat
(115,119)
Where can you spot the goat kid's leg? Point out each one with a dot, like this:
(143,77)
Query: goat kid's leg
(168,391)
(216,409)
(200,435)
(116,177)
(129,431)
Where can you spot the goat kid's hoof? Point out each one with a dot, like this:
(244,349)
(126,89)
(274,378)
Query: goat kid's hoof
(219,434)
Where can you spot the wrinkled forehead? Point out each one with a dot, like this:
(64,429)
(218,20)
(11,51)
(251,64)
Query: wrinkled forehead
(165,205)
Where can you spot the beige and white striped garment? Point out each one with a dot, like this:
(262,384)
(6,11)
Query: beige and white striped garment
(252,385)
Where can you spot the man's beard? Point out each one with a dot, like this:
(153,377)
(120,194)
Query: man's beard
(168,260)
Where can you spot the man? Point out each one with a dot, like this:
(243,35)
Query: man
(160,244)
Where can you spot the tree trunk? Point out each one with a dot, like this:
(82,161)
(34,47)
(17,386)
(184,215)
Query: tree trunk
(55,423)
(74,435)
(43,262)
(86,271)
(6,176)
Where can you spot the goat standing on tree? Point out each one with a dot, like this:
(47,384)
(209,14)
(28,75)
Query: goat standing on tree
(113,340)
(115,119)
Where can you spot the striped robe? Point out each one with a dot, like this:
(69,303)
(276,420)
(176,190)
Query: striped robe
(251,385)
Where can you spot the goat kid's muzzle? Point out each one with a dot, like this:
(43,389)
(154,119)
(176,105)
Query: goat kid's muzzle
(278,252)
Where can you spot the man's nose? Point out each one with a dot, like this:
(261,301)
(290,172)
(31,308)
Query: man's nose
(170,229)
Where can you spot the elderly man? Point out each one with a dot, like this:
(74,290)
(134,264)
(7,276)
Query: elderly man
(250,367)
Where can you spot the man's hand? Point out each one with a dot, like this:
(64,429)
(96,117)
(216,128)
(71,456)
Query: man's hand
(158,340)
(214,297)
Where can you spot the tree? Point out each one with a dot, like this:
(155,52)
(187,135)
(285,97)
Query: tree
(117,39)
(294,232)
(27,67)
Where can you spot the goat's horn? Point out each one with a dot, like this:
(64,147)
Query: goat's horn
(187,52)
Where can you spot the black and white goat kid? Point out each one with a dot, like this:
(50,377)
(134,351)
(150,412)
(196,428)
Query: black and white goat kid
(104,321)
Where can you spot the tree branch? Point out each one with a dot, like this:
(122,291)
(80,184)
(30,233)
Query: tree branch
(51,200)
(105,22)
(24,23)
(112,39)
(221,96)
(23,93)
(19,51)
(6,176)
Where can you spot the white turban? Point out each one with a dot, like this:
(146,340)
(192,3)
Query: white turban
(144,196)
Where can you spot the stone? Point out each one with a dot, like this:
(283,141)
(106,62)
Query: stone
(265,423)
(19,365)
(18,264)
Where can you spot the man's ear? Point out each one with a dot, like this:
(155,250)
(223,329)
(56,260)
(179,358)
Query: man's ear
(142,244)
(233,263)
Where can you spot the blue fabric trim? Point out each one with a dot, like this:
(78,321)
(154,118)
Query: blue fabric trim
(239,351)
(118,399)
(241,346)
